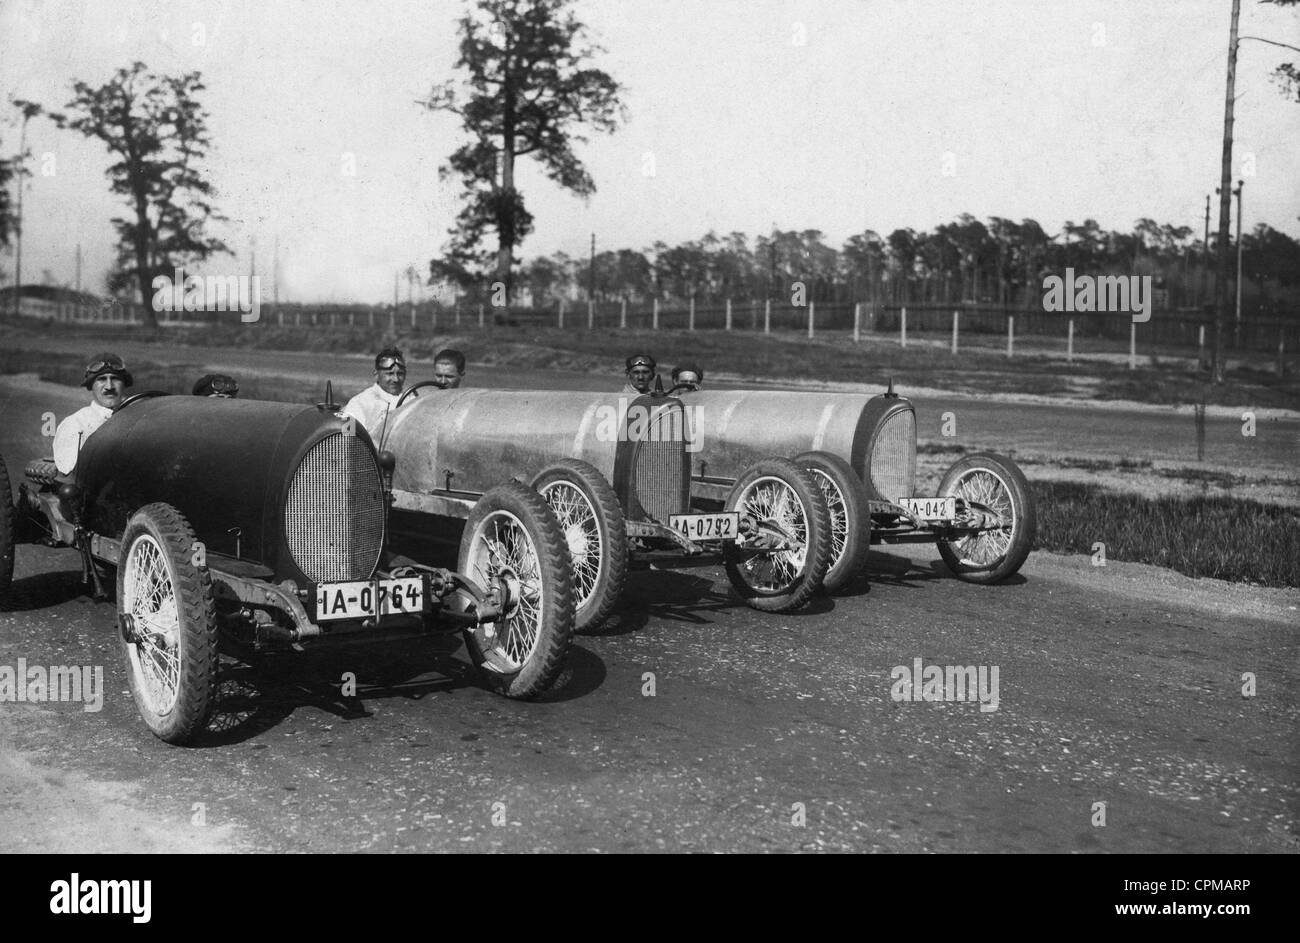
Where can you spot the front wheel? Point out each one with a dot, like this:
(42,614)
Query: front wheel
(850,515)
(780,559)
(995,487)
(168,623)
(592,522)
(514,551)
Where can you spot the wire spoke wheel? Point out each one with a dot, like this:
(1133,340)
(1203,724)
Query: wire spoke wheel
(993,487)
(149,598)
(514,548)
(595,533)
(775,506)
(983,487)
(168,623)
(781,557)
(577,518)
(835,505)
(850,516)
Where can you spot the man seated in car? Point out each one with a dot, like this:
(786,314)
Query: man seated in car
(448,369)
(217,385)
(688,375)
(107,378)
(640,374)
(371,407)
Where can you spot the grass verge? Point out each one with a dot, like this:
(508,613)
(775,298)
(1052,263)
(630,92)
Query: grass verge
(783,355)
(1224,538)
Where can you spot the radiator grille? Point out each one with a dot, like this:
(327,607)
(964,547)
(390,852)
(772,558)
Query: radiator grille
(334,516)
(660,473)
(893,456)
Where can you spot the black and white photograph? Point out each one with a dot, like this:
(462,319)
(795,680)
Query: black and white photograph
(696,426)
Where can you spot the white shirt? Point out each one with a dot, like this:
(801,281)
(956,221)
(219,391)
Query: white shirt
(72,433)
(369,408)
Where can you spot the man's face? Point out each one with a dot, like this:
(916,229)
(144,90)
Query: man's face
(446,376)
(107,390)
(640,377)
(391,379)
(688,378)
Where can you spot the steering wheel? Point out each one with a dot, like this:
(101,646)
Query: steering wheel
(411,389)
(685,387)
(143,394)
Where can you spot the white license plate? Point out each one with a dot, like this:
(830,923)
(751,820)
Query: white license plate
(724,526)
(357,600)
(930,509)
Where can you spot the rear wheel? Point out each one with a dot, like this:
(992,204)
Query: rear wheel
(850,515)
(168,623)
(513,548)
(592,522)
(781,558)
(994,486)
(8,529)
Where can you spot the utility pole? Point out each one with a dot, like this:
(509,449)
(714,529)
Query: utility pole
(28,111)
(1205,250)
(1225,202)
(1237,332)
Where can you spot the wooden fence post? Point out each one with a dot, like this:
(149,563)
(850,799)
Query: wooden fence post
(857,322)
(811,318)
(1069,342)
(480,315)
(728,314)
(1011,334)
(591,314)
(622,315)
(954,332)
(902,328)
(1132,345)
(690,321)
(767,316)
(560,316)
(654,315)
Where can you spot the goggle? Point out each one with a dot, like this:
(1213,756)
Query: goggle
(115,364)
(388,363)
(223,385)
(641,365)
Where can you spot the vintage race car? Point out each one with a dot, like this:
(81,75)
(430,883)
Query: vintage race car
(862,450)
(616,471)
(266,523)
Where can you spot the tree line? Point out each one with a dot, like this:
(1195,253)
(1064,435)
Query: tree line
(997,262)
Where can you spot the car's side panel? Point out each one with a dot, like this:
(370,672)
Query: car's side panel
(225,464)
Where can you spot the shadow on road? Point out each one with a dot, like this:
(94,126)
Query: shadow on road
(255,693)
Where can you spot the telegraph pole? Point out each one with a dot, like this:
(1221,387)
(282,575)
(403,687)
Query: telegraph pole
(1237,332)
(1205,250)
(1225,202)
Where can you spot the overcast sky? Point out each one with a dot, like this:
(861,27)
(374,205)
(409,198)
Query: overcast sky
(838,115)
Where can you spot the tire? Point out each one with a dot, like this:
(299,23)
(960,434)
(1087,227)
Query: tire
(161,589)
(591,520)
(777,492)
(997,482)
(513,541)
(8,533)
(850,516)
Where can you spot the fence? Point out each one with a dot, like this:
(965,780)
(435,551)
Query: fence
(1168,332)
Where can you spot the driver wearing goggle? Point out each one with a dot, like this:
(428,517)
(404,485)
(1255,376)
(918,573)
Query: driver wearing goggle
(371,407)
(106,378)
(217,385)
